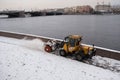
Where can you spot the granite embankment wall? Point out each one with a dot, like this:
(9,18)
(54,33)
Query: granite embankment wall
(100,51)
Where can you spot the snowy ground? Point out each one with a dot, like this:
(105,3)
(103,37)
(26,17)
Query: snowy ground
(26,60)
(106,63)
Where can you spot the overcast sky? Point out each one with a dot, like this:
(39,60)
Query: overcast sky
(42,4)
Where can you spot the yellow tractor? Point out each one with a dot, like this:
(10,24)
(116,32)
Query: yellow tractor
(71,46)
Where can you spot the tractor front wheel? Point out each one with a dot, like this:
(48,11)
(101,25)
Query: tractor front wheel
(62,53)
(78,57)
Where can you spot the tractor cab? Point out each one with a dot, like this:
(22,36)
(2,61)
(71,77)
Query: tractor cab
(73,38)
(72,43)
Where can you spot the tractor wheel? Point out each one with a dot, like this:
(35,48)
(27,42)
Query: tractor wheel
(48,48)
(62,53)
(78,57)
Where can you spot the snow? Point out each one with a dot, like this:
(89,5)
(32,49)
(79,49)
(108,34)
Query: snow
(36,44)
(106,63)
(26,60)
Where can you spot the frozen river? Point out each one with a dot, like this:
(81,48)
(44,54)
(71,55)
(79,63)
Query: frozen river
(101,30)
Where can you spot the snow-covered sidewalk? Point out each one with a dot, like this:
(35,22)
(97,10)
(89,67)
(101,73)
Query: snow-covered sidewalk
(26,60)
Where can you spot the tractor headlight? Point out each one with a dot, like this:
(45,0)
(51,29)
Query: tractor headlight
(90,52)
(71,48)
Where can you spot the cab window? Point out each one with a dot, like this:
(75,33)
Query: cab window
(72,42)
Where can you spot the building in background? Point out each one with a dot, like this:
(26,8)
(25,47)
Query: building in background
(60,10)
(69,10)
(103,8)
(79,10)
(116,9)
(84,9)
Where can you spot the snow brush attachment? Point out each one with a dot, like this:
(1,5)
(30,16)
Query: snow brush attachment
(48,48)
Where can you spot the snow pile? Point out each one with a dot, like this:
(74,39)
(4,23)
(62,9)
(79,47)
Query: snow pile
(35,44)
(106,63)
(18,62)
